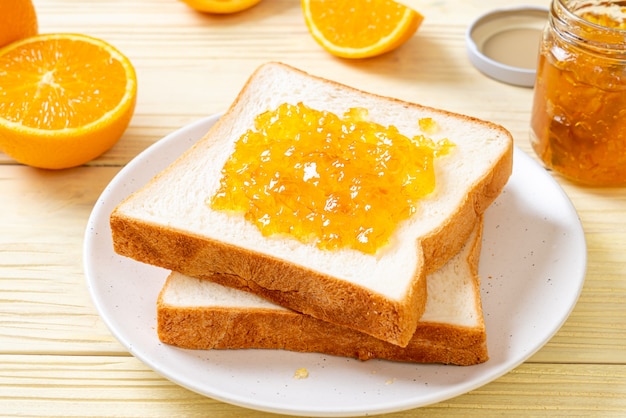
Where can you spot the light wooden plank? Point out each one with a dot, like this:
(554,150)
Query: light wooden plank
(49,386)
(46,307)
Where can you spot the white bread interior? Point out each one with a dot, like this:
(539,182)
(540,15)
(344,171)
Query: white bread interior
(168,222)
(199,314)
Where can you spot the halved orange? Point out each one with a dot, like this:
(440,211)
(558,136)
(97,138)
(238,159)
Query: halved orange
(18,20)
(220,6)
(360,28)
(64,99)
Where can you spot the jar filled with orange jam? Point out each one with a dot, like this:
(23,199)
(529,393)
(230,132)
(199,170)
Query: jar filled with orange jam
(578,123)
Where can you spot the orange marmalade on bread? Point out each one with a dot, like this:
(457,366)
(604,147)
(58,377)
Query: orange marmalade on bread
(339,181)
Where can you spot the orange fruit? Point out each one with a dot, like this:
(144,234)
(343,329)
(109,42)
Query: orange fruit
(64,99)
(221,6)
(18,20)
(360,28)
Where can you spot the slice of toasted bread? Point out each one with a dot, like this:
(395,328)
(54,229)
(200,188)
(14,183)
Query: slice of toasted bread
(169,224)
(199,314)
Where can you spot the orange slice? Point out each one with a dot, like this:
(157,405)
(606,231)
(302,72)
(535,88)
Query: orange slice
(18,20)
(64,99)
(360,28)
(221,6)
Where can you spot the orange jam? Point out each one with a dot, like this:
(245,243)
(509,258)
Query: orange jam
(336,181)
(606,20)
(579,111)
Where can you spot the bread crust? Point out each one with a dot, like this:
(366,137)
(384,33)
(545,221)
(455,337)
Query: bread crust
(443,243)
(302,289)
(194,328)
(281,282)
(199,327)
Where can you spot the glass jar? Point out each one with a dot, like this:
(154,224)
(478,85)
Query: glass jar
(578,122)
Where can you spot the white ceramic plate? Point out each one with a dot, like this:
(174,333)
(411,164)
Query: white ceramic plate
(532,266)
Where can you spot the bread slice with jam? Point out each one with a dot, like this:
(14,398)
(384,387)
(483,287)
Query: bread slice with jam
(170,223)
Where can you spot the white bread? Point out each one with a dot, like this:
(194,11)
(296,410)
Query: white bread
(168,223)
(199,314)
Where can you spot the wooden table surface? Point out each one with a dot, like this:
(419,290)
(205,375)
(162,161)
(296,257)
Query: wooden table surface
(57,358)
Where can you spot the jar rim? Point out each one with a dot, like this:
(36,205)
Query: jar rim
(579,30)
(566,7)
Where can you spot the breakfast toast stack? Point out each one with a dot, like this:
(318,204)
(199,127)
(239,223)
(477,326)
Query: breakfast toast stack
(232,286)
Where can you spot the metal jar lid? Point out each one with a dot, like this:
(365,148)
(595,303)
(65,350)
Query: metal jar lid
(504,43)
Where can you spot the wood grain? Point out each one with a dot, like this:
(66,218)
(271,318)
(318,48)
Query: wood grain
(93,386)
